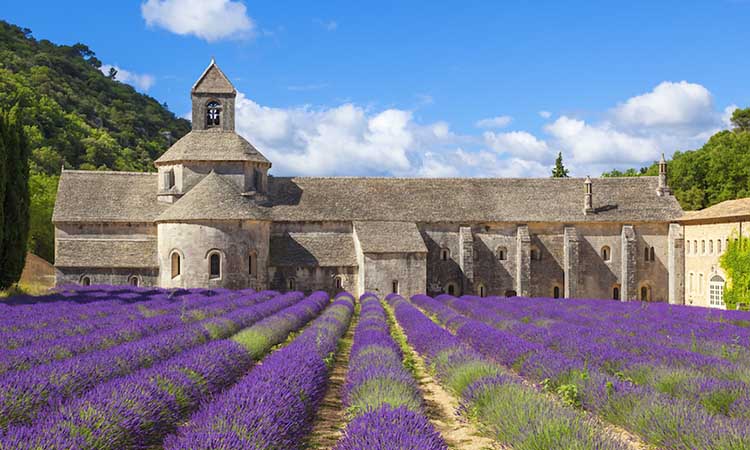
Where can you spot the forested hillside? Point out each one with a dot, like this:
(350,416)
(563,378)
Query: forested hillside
(718,171)
(76,116)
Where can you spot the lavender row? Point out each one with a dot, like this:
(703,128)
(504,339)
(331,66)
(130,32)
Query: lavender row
(380,393)
(138,410)
(513,413)
(672,423)
(124,330)
(104,314)
(273,406)
(27,393)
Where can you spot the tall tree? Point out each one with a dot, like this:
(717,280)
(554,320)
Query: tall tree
(16,220)
(736,264)
(741,119)
(559,171)
(3,178)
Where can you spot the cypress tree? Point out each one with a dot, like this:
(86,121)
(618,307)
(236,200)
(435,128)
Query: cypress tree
(3,177)
(559,171)
(16,220)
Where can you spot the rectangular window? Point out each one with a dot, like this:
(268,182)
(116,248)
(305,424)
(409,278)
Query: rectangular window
(394,287)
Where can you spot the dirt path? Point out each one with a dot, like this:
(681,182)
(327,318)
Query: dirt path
(329,421)
(441,407)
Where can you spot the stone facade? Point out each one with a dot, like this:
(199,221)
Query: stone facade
(213,217)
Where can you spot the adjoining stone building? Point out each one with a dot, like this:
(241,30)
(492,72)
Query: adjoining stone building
(707,234)
(212,217)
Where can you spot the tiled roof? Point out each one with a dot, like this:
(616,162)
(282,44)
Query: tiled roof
(213,81)
(213,198)
(211,145)
(313,249)
(389,237)
(723,210)
(107,253)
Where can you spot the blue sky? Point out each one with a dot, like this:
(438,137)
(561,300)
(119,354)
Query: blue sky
(417,88)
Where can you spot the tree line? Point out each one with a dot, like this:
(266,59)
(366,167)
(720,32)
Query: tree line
(14,197)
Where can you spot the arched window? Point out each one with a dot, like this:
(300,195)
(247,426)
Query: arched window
(252,264)
(133,281)
(176,265)
(338,282)
(213,114)
(645,293)
(85,281)
(536,255)
(718,246)
(291,284)
(700,282)
(502,253)
(450,289)
(711,247)
(703,247)
(510,293)
(394,286)
(556,292)
(214,266)
(652,254)
(691,286)
(645,254)
(606,254)
(695,247)
(616,293)
(716,292)
(482,290)
(444,254)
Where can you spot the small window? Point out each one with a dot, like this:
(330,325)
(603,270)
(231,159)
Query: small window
(556,292)
(502,253)
(652,254)
(700,282)
(691,286)
(176,269)
(133,281)
(703,247)
(394,286)
(711,247)
(645,254)
(718,246)
(252,264)
(510,293)
(214,266)
(338,282)
(606,254)
(257,180)
(616,293)
(168,179)
(645,293)
(213,114)
(695,247)
(291,284)
(85,281)
(444,254)
(482,291)
(536,255)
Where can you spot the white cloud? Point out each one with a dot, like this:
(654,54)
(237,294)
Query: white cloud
(726,117)
(211,20)
(517,143)
(545,114)
(142,82)
(494,122)
(588,144)
(668,104)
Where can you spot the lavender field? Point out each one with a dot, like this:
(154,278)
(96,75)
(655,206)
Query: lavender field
(106,367)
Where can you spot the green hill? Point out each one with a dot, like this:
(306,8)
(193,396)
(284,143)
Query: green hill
(76,116)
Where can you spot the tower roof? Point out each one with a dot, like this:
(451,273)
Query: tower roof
(213,81)
(214,198)
(212,145)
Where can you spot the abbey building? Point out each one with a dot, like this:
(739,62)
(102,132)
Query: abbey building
(212,216)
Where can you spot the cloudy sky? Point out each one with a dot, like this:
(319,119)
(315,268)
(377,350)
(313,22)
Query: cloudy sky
(434,89)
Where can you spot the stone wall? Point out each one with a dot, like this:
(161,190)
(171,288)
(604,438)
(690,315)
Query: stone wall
(310,279)
(408,270)
(234,240)
(146,277)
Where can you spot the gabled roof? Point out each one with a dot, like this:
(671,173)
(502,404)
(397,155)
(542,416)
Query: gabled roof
(213,81)
(107,253)
(97,196)
(389,237)
(213,198)
(313,249)
(468,200)
(212,145)
(724,210)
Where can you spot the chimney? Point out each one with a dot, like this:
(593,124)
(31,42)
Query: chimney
(663,188)
(588,198)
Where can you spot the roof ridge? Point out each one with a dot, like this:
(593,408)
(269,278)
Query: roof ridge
(109,172)
(353,177)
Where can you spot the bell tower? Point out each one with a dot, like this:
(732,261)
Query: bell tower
(213,100)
